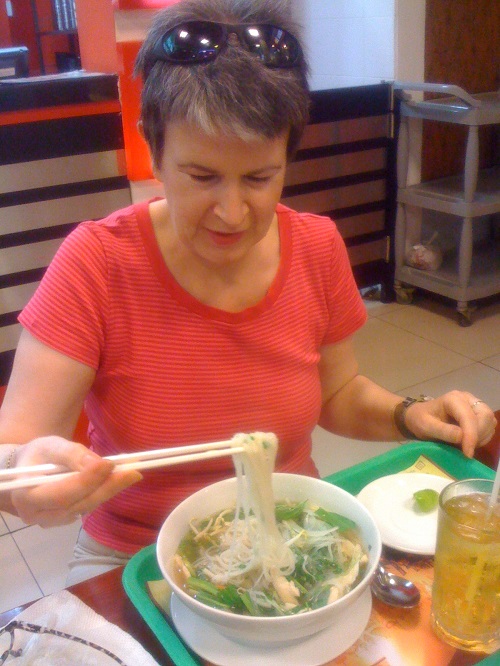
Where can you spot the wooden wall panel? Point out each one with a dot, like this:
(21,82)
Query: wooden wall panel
(53,174)
(344,169)
(462,46)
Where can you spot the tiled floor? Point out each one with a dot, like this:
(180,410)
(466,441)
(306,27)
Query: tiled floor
(409,349)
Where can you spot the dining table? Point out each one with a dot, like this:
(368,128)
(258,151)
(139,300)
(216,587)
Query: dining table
(111,598)
(105,595)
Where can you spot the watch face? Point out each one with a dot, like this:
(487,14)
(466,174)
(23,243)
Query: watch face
(422,398)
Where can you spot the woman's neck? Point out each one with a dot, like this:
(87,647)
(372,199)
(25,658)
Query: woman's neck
(233,286)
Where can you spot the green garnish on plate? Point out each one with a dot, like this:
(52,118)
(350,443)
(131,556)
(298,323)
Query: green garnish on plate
(426,500)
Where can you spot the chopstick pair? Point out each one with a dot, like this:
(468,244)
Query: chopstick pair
(37,475)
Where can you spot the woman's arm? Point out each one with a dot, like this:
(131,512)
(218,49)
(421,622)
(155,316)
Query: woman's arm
(45,393)
(38,416)
(354,406)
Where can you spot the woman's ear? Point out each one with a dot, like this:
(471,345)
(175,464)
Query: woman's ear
(154,168)
(156,171)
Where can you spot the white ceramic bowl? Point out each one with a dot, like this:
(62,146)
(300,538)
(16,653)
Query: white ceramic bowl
(269,631)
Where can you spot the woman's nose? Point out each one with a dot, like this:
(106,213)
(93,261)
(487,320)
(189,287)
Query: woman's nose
(231,207)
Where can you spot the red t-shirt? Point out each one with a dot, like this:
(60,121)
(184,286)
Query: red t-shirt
(172,371)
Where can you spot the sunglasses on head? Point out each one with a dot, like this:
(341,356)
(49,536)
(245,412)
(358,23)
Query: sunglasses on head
(196,42)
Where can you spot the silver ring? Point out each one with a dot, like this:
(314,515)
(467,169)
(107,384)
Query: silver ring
(476,402)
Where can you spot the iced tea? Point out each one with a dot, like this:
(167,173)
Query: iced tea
(466,590)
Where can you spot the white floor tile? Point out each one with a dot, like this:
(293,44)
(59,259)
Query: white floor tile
(493,361)
(395,358)
(3,526)
(479,379)
(17,584)
(13,522)
(48,561)
(433,321)
(377,308)
(332,453)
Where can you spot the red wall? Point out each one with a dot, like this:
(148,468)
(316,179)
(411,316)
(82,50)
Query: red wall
(143,4)
(5,37)
(96,34)
(19,30)
(136,150)
(22,31)
(100,53)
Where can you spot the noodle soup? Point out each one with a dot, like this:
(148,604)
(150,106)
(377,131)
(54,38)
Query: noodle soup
(321,559)
(261,558)
(261,631)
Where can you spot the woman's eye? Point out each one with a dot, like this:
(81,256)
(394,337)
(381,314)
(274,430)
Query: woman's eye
(259,180)
(199,178)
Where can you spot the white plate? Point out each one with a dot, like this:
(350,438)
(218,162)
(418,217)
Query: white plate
(390,501)
(203,637)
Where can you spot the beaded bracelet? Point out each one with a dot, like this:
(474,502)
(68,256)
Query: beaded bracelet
(10,458)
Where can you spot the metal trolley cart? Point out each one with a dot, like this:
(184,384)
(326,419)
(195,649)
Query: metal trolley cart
(467,202)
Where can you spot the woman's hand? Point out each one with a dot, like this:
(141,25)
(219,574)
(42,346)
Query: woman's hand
(457,417)
(62,502)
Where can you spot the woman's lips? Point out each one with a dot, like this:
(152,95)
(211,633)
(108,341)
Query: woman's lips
(224,239)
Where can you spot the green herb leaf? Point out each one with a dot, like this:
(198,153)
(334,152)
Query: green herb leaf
(200,585)
(229,595)
(335,520)
(248,603)
(289,511)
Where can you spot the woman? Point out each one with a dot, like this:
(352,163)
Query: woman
(212,311)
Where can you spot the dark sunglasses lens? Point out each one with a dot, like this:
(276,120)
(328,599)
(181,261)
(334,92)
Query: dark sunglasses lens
(195,41)
(274,46)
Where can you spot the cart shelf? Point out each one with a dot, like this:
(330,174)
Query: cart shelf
(446,195)
(445,281)
(473,270)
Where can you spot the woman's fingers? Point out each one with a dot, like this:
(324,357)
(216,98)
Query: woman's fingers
(487,424)
(62,501)
(112,485)
(475,419)
(48,513)
(55,450)
(457,417)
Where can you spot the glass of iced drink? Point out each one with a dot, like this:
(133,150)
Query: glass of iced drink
(466,590)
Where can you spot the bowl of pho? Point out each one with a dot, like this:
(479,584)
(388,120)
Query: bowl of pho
(268,558)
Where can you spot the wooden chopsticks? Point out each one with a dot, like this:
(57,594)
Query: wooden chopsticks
(36,475)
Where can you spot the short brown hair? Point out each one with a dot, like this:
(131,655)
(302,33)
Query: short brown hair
(233,94)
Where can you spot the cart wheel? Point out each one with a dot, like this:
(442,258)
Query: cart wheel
(404,295)
(387,293)
(464,318)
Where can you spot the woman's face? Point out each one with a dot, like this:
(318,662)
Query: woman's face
(221,192)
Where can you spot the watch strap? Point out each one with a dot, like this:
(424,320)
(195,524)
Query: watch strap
(400,412)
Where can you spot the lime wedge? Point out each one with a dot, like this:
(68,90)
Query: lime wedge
(426,500)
